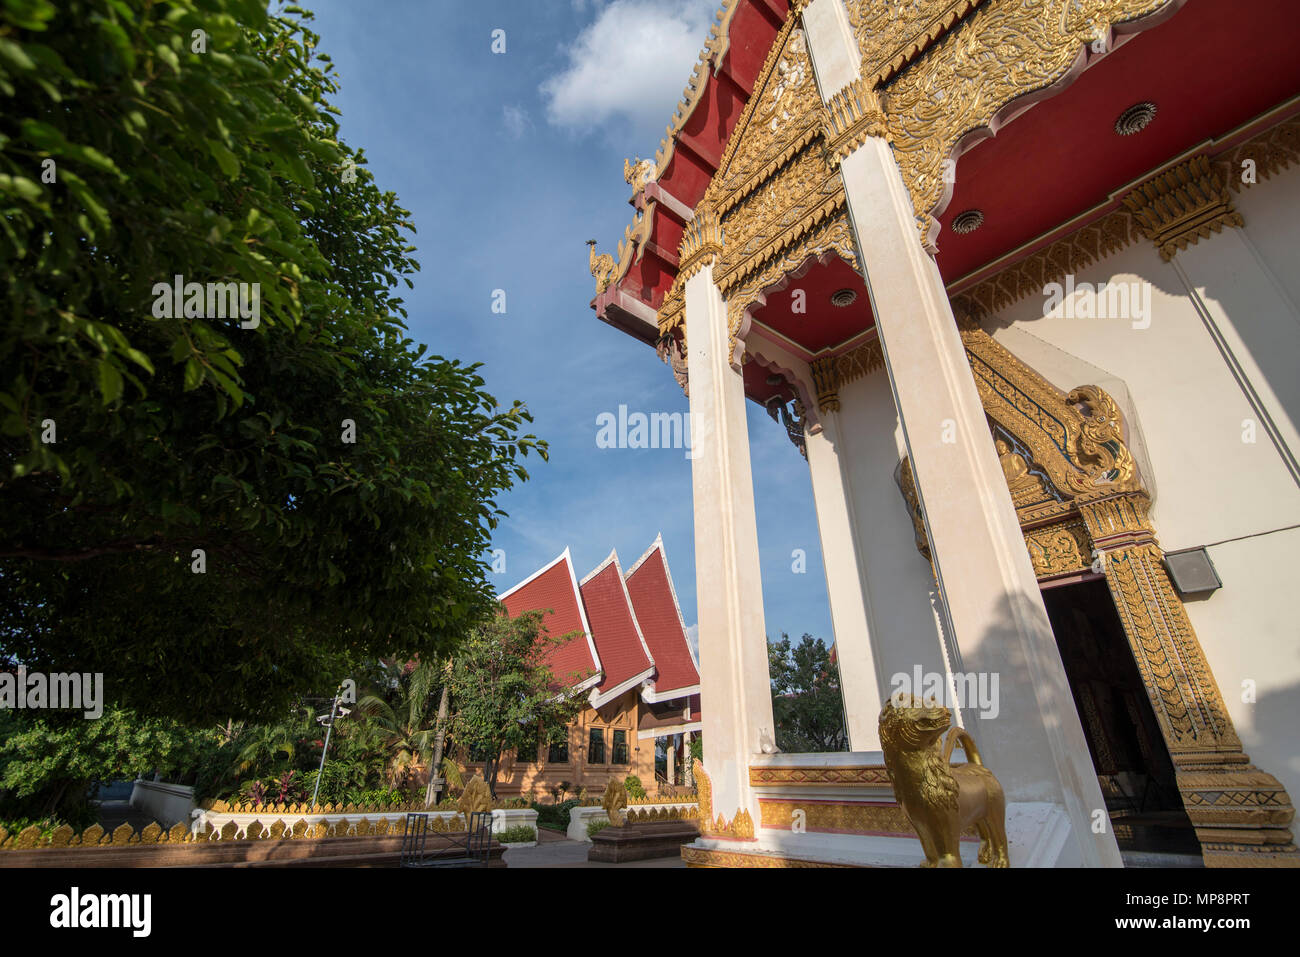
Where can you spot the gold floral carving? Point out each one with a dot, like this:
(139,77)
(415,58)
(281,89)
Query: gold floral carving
(852,115)
(701,243)
(780,120)
(1076,440)
(1002,51)
(827,384)
(1182,205)
(817,776)
(891,34)
(833,237)
(1059,549)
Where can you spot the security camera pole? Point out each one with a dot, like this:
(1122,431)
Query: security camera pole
(328,721)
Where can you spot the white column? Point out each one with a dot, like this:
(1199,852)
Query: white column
(735,691)
(996,619)
(844,558)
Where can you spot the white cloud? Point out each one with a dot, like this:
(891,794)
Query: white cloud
(693,639)
(631,62)
(516,121)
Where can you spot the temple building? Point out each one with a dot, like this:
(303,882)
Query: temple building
(626,651)
(1019,278)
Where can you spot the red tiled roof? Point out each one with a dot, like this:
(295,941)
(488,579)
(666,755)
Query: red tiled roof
(554,587)
(649,584)
(622,650)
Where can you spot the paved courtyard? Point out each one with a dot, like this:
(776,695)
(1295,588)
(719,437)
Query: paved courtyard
(555,850)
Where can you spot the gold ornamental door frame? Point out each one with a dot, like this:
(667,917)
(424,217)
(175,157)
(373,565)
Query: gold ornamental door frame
(1082,506)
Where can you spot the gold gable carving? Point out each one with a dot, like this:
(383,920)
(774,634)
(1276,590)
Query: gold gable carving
(1002,51)
(891,34)
(781,203)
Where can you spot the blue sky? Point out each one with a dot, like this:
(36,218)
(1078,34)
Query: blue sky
(508,164)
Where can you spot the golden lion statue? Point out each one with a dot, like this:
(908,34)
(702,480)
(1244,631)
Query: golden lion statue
(940,800)
(476,796)
(615,800)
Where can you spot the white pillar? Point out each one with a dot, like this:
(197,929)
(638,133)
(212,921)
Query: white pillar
(844,559)
(996,619)
(735,691)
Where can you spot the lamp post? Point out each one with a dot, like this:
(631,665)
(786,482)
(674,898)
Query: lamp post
(328,721)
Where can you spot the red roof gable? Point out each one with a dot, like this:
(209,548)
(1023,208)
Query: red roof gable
(650,586)
(622,649)
(554,588)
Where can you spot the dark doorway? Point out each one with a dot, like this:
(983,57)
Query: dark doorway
(1133,765)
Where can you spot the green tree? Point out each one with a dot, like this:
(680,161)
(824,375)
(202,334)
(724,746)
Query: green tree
(50,765)
(504,694)
(337,485)
(807,704)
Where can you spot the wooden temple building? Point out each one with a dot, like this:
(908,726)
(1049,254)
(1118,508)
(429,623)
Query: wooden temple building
(1019,277)
(628,654)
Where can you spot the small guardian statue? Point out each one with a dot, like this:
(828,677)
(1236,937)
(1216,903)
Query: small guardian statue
(615,800)
(941,800)
(476,796)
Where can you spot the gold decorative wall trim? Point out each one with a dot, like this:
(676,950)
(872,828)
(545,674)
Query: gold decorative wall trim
(741,825)
(708,857)
(1069,255)
(1182,205)
(852,115)
(760,776)
(683,812)
(1273,150)
(836,817)
(860,361)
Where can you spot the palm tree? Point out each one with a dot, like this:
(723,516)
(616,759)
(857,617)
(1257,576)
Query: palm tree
(409,727)
(261,745)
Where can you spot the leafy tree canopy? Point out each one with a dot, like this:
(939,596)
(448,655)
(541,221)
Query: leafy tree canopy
(807,705)
(503,693)
(142,440)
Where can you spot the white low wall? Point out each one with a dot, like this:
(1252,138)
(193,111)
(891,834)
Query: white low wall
(167,804)
(580,817)
(506,818)
(207,821)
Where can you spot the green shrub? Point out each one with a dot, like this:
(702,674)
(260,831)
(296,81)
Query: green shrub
(519,834)
(635,789)
(593,827)
(554,815)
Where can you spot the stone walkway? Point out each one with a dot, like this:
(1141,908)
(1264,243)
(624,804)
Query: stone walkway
(555,850)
